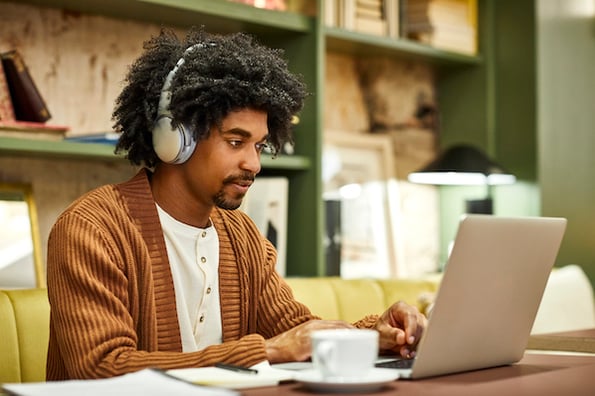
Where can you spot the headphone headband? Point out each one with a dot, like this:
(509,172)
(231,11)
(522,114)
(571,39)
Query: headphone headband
(165,97)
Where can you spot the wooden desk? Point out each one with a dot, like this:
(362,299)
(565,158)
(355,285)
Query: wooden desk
(535,374)
(573,341)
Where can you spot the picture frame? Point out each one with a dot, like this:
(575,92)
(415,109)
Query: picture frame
(359,171)
(266,204)
(21,263)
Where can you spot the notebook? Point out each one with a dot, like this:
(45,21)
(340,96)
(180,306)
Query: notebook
(489,294)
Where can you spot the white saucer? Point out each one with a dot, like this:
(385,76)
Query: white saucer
(375,379)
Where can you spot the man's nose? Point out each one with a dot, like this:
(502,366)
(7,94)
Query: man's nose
(251,161)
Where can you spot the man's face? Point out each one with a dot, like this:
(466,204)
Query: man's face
(224,165)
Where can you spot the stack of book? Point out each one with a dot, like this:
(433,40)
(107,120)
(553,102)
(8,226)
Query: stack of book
(369,17)
(446,24)
(23,112)
(376,17)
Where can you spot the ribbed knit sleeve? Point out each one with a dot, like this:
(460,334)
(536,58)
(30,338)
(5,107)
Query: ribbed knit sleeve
(368,322)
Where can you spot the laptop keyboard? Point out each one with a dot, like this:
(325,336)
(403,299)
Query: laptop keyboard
(396,364)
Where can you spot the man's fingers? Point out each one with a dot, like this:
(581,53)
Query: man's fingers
(390,336)
(409,318)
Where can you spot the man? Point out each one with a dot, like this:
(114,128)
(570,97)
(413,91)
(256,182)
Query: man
(161,270)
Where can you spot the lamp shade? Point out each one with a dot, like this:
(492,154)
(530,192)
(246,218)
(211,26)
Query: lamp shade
(462,165)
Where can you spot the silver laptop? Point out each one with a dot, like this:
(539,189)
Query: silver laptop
(489,295)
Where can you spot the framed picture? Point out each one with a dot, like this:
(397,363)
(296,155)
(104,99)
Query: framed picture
(21,264)
(359,172)
(266,204)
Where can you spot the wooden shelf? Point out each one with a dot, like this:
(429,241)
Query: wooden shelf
(56,149)
(360,44)
(222,16)
(97,151)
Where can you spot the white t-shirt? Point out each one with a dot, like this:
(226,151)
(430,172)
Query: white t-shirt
(194,261)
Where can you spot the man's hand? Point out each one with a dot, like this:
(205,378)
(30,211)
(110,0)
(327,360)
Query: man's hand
(400,329)
(294,345)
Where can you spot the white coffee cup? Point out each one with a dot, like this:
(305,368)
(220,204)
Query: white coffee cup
(344,354)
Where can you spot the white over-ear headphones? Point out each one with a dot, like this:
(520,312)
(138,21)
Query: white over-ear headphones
(172,145)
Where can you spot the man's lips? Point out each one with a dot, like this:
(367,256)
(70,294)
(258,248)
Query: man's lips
(241,185)
(244,183)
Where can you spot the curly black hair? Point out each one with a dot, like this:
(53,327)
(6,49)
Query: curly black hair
(232,72)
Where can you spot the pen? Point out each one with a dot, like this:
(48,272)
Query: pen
(238,369)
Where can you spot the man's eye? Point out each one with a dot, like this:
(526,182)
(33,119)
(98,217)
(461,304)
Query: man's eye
(260,147)
(235,143)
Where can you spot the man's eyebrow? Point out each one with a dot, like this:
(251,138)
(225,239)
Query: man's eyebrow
(237,131)
(241,132)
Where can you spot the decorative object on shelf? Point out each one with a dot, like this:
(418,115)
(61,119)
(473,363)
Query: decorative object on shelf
(266,204)
(21,263)
(358,170)
(465,165)
(23,113)
(27,102)
(446,24)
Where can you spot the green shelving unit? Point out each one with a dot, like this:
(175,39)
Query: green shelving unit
(305,41)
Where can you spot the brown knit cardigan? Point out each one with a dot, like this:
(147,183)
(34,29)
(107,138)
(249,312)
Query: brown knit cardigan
(112,297)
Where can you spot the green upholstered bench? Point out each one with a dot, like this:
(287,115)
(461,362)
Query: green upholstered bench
(24,314)
(24,334)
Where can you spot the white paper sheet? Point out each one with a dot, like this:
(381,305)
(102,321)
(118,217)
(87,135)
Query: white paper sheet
(146,382)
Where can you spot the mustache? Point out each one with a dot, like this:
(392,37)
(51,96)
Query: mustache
(243,177)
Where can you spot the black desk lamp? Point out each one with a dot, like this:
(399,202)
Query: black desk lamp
(465,165)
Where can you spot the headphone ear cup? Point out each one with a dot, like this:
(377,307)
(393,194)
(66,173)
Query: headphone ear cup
(172,145)
(187,145)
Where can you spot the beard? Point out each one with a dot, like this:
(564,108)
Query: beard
(223,201)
